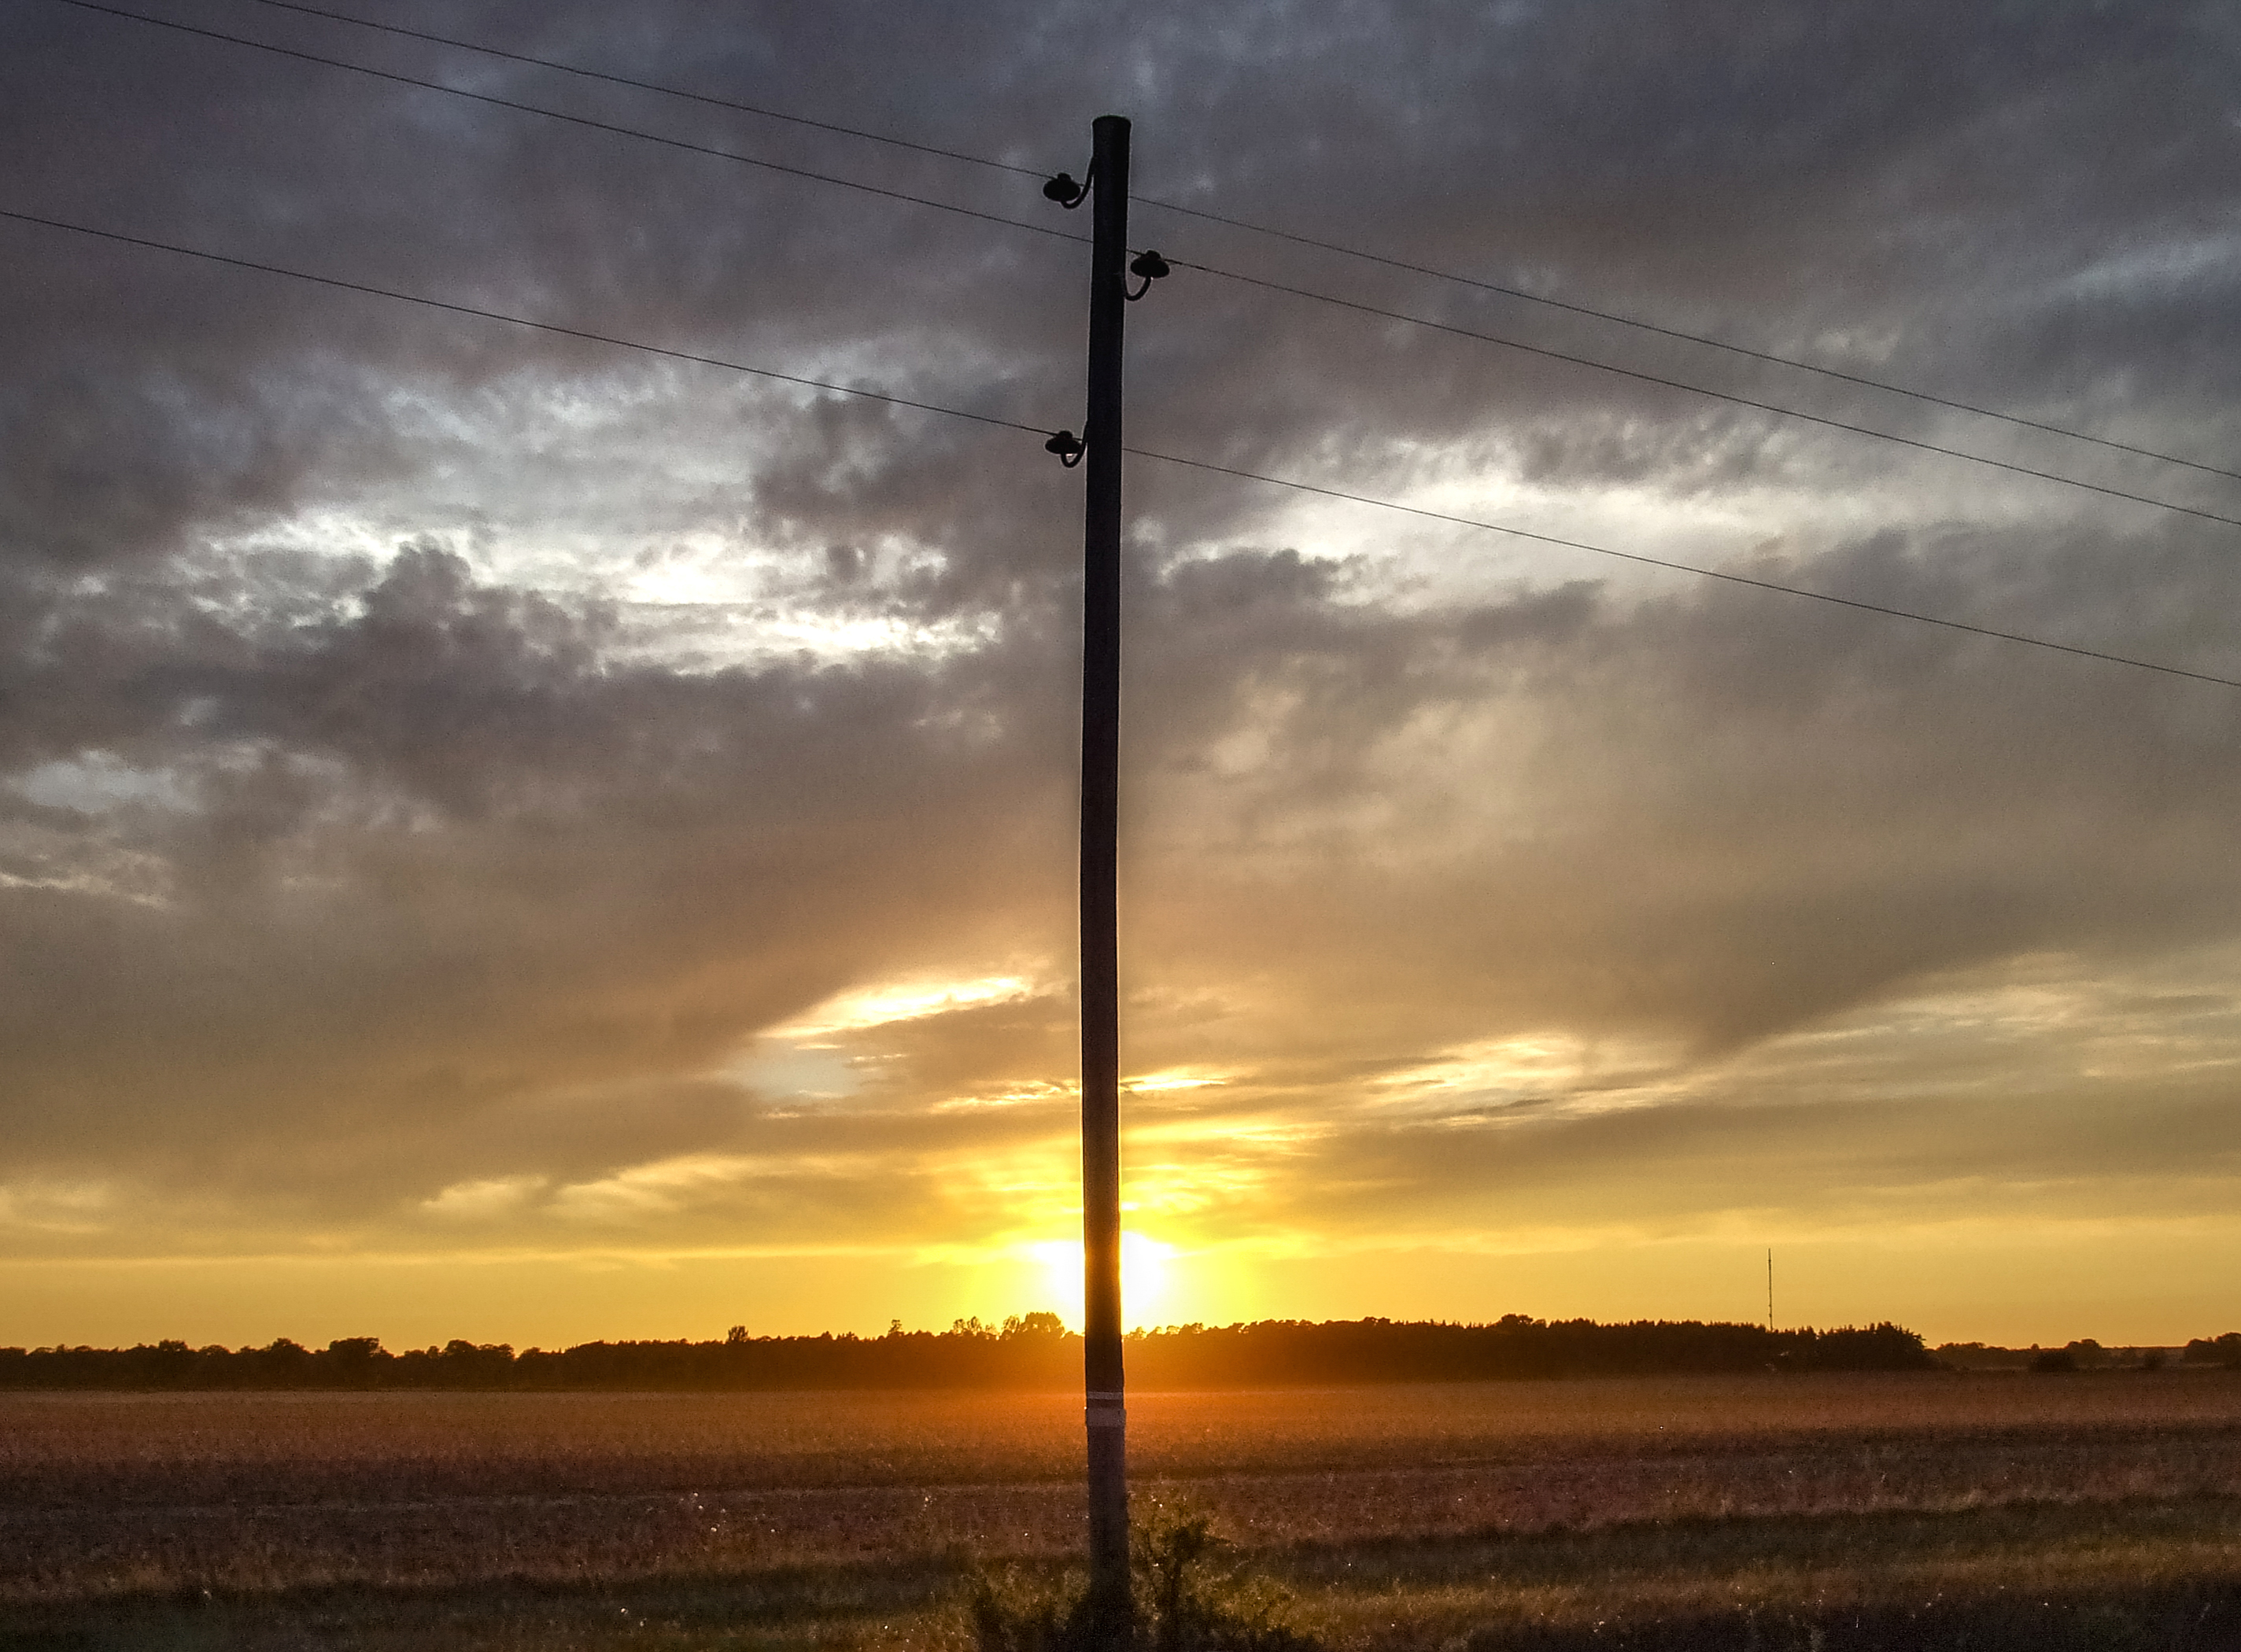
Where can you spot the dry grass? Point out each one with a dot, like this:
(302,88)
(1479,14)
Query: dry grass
(1414,1517)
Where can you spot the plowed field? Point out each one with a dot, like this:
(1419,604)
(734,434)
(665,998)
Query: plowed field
(1397,1515)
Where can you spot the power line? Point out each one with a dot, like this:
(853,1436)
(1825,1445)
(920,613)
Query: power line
(1208,465)
(518,321)
(1718,395)
(656,86)
(610,127)
(617,130)
(1771,357)
(1686,567)
(1705,339)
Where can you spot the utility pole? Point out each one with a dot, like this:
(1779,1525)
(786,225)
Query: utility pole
(1104,1389)
(1104,1413)
(1769,1287)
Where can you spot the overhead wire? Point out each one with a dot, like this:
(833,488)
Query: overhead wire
(1701,572)
(1771,357)
(482,313)
(613,79)
(1641,377)
(1317,490)
(617,129)
(589,122)
(1339,248)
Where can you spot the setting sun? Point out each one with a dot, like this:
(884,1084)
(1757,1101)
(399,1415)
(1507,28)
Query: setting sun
(1149,1285)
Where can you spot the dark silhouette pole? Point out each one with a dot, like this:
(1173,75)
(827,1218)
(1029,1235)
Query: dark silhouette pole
(1104,1413)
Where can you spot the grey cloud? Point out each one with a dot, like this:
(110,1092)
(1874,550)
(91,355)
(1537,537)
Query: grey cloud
(1579,145)
(468,852)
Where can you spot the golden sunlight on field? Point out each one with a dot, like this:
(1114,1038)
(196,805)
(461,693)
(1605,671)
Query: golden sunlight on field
(1396,1516)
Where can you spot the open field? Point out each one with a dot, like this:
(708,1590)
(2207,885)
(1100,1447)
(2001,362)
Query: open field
(1492,1515)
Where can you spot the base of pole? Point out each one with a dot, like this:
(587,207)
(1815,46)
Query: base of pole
(1108,1516)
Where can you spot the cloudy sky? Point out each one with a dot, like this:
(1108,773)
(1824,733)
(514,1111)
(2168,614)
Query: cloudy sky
(506,835)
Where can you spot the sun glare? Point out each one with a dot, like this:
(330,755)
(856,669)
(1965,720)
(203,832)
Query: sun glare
(1147,1265)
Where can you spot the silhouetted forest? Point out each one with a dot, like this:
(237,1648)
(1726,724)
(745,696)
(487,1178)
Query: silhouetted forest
(1033,1351)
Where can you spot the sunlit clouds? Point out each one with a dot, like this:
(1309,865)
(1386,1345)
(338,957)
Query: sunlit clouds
(899,1001)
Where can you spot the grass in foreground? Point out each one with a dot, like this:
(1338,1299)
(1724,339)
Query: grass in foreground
(2122,1577)
(2119,1574)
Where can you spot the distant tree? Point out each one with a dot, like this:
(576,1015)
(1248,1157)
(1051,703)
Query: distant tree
(1028,1351)
(2215,1350)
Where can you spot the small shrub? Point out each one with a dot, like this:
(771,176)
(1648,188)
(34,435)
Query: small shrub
(1011,1613)
(1190,1595)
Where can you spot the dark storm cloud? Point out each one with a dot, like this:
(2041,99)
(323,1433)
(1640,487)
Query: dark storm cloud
(380,859)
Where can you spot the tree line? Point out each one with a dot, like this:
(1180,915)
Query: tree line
(1033,1351)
